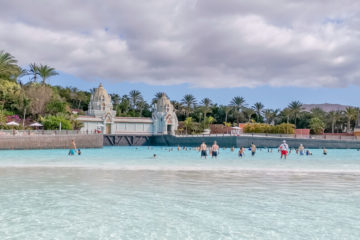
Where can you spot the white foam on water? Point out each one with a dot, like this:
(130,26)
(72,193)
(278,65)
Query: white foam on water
(178,168)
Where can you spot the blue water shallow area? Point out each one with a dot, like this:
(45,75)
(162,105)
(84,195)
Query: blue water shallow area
(124,193)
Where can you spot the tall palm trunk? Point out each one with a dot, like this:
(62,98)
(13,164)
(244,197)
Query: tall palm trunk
(24,117)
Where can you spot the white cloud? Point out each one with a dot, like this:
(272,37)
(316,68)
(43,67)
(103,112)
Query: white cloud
(206,43)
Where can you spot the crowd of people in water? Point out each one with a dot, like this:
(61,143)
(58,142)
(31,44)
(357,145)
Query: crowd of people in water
(214,150)
(283,149)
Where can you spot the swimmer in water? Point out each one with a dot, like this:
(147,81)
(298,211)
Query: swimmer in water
(72,148)
(253,149)
(154,156)
(214,150)
(301,149)
(203,150)
(241,152)
(232,148)
(178,148)
(324,151)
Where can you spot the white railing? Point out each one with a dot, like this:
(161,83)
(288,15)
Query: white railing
(6,133)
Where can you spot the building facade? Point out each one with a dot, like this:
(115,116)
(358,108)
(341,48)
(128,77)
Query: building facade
(102,118)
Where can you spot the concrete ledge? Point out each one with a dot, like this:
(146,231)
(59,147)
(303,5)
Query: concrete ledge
(51,142)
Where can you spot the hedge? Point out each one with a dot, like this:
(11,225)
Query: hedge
(284,128)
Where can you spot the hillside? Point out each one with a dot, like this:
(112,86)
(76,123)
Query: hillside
(327,107)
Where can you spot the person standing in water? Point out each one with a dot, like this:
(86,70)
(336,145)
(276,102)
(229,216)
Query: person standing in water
(253,149)
(283,149)
(72,148)
(214,150)
(324,151)
(241,152)
(203,150)
(301,149)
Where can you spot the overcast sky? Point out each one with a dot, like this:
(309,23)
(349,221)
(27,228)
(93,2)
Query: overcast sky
(193,46)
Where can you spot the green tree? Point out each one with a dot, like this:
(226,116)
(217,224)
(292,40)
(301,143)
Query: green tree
(189,101)
(318,113)
(226,110)
(238,103)
(158,95)
(9,94)
(351,115)
(317,125)
(135,97)
(206,107)
(248,113)
(188,124)
(208,121)
(334,117)
(33,71)
(258,108)
(52,122)
(45,72)
(55,106)
(270,115)
(124,105)
(295,108)
(8,66)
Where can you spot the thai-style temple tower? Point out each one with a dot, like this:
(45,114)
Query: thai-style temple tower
(164,117)
(101,107)
(102,118)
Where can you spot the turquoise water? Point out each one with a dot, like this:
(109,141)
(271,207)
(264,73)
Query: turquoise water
(124,193)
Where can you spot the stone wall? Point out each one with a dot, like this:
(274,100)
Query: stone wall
(245,141)
(51,142)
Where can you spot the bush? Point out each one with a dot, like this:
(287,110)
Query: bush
(57,106)
(284,128)
(317,125)
(52,123)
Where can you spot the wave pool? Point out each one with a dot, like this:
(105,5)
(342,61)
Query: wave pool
(124,193)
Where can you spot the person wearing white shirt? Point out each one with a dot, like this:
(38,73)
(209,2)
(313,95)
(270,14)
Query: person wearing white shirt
(284,149)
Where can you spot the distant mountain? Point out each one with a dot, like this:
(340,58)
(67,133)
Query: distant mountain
(327,107)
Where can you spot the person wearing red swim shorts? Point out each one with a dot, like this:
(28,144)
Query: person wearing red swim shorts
(283,149)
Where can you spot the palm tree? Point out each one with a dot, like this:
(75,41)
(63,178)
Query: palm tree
(206,106)
(188,123)
(189,101)
(115,98)
(34,71)
(258,108)
(237,103)
(318,113)
(226,110)
(248,112)
(270,115)
(158,95)
(135,97)
(46,72)
(124,104)
(351,114)
(287,113)
(141,105)
(334,116)
(177,106)
(295,108)
(8,65)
